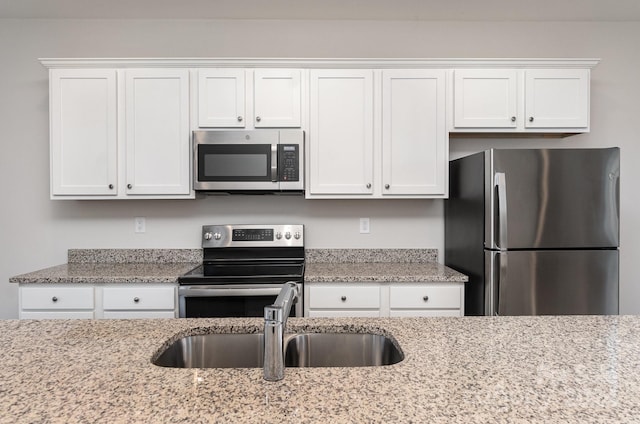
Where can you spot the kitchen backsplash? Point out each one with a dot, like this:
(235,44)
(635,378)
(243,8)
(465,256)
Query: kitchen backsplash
(371,255)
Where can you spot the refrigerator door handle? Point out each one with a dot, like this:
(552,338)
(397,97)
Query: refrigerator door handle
(500,187)
(499,281)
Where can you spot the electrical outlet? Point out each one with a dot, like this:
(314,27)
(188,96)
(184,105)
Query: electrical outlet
(140,224)
(364,226)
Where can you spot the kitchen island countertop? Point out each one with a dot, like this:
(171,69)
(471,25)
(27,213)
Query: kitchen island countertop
(573,369)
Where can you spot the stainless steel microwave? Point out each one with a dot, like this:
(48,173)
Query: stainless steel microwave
(258,161)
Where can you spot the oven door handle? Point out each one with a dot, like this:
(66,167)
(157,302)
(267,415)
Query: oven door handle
(219,292)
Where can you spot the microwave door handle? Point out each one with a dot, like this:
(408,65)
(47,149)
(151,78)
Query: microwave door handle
(274,163)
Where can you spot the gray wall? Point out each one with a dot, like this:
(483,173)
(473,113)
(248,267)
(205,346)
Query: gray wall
(36,232)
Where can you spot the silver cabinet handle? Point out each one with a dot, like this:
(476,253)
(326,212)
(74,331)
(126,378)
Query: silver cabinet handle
(368,185)
(513,119)
(387,186)
(343,298)
(110,186)
(531,119)
(54,299)
(136,299)
(129,186)
(500,184)
(239,118)
(258,119)
(425,298)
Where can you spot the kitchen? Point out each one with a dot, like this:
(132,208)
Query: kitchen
(37,232)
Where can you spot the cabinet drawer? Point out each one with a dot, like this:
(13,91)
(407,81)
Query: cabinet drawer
(56,297)
(343,297)
(424,297)
(134,298)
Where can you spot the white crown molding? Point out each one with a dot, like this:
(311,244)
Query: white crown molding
(443,63)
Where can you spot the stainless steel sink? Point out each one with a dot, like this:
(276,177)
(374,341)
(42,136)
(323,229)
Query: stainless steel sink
(214,351)
(341,350)
(301,350)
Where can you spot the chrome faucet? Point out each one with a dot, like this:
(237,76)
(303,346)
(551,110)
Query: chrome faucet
(275,322)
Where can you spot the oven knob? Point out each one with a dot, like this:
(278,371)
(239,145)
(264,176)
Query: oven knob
(278,235)
(207,236)
(287,235)
(296,235)
(217,236)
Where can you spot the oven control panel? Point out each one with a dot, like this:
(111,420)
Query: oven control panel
(252,236)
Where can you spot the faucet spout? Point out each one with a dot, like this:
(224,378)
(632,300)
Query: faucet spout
(275,322)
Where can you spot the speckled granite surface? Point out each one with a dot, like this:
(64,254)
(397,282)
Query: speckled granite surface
(379,272)
(117,266)
(371,255)
(157,256)
(456,370)
(106,273)
(366,265)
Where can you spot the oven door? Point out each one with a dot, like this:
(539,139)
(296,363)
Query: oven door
(231,301)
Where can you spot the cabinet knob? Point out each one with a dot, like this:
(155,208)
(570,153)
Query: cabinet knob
(110,186)
(258,119)
(387,186)
(239,118)
(425,298)
(129,186)
(513,119)
(136,299)
(368,185)
(531,119)
(343,298)
(54,299)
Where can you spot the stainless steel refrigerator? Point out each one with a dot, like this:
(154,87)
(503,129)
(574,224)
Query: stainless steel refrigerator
(536,230)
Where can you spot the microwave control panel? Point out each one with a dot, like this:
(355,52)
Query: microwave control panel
(288,159)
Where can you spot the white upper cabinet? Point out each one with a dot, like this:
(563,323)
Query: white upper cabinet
(221,94)
(557,98)
(485,98)
(414,136)
(83,124)
(377,133)
(341,132)
(239,98)
(157,132)
(120,133)
(521,100)
(277,98)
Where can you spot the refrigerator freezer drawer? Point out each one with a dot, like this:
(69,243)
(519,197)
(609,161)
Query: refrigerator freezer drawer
(551,282)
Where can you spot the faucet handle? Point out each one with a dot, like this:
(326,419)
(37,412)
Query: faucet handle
(273,313)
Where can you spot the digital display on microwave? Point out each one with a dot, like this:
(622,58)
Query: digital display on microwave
(235,165)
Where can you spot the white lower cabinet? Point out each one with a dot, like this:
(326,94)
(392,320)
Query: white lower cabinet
(139,302)
(338,300)
(384,299)
(50,301)
(56,301)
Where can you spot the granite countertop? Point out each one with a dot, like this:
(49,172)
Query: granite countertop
(379,272)
(92,266)
(574,369)
(377,265)
(166,265)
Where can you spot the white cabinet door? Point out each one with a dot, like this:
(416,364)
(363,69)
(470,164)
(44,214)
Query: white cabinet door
(414,136)
(52,301)
(485,98)
(221,98)
(157,132)
(341,132)
(557,98)
(277,98)
(83,132)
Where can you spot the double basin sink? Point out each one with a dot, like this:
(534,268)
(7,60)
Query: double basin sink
(246,350)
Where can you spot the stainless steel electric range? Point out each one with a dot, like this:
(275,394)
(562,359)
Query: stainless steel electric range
(243,269)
